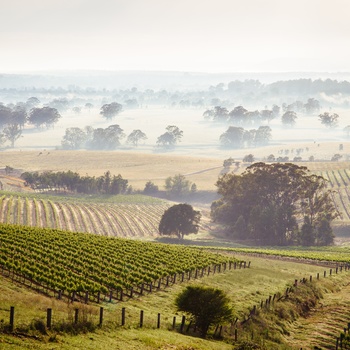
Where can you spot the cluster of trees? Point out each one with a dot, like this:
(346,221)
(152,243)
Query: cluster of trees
(14,117)
(276,204)
(176,187)
(109,138)
(238,137)
(241,116)
(73,182)
(90,138)
(170,138)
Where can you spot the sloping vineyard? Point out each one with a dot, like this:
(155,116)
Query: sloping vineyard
(339,183)
(332,255)
(82,262)
(107,219)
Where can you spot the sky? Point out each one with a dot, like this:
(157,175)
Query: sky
(175,35)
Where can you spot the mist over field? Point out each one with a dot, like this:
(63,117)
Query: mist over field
(183,100)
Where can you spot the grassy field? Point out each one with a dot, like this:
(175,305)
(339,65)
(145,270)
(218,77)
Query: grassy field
(137,168)
(246,288)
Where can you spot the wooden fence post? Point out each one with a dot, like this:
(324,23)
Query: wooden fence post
(158,321)
(174,322)
(76,316)
(123,316)
(324,273)
(182,324)
(141,318)
(48,318)
(101,316)
(330,272)
(12,318)
(318,275)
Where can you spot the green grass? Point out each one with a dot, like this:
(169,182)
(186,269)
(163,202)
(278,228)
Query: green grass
(245,288)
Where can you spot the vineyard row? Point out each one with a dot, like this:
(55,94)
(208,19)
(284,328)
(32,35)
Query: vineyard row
(119,220)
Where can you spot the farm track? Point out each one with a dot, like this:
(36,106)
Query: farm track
(324,324)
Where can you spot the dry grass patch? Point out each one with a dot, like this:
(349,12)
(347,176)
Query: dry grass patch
(138,168)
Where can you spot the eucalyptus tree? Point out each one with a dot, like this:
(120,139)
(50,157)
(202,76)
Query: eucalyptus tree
(273,200)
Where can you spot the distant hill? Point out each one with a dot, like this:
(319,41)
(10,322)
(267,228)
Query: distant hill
(149,79)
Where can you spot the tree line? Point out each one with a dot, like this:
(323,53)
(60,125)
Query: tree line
(69,181)
(110,138)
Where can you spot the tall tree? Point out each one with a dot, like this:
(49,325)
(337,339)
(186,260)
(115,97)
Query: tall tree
(289,118)
(232,137)
(74,138)
(312,105)
(110,110)
(12,132)
(237,115)
(45,116)
(177,185)
(329,120)
(273,199)
(108,138)
(135,137)
(171,137)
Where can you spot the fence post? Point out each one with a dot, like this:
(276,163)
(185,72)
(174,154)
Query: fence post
(86,297)
(123,316)
(330,272)
(76,316)
(182,324)
(158,321)
(48,318)
(236,334)
(318,275)
(12,318)
(141,318)
(324,273)
(174,322)
(101,316)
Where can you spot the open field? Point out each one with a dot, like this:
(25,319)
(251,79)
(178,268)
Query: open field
(137,168)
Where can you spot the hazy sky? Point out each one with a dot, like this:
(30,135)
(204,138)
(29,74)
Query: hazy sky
(180,35)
